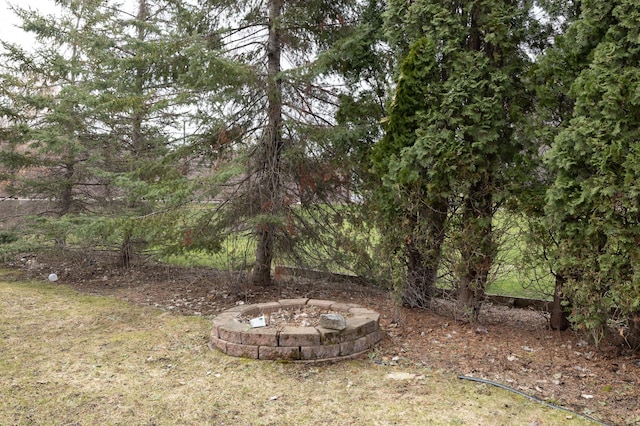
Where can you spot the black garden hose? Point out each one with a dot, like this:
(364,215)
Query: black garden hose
(533,398)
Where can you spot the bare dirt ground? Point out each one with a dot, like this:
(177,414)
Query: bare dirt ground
(510,346)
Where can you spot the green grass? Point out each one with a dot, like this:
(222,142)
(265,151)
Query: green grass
(514,275)
(238,253)
(511,277)
(512,287)
(71,358)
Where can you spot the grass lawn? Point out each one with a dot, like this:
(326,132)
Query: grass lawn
(71,358)
(511,276)
(512,286)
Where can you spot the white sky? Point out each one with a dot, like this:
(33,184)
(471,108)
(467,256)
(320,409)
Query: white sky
(9,21)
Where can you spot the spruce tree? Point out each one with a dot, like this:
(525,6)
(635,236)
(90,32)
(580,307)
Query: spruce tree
(51,124)
(139,102)
(96,115)
(365,62)
(274,110)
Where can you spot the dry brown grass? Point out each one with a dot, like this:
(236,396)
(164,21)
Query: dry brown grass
(73,359)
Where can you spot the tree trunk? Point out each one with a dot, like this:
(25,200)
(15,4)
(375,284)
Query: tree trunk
(264,257)
(633,334)
(137,137)
(471,289)
(126,251)
(559,315)
(476,244)
(66,193)
(477,249)
(270,172)
(423,258)
(420,285)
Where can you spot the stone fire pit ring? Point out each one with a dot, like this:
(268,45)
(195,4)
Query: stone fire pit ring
(295,343)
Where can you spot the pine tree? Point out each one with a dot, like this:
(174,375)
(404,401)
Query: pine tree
(364,61)
(139,101)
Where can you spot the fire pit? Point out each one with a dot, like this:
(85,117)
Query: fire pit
(234,335)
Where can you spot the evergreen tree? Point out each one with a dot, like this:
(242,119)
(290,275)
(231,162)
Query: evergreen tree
(51,124)
(594,198)
(97,112)
(403,198)
(364,62)
(277,115)
(554,71)
(138,103)
(456,144)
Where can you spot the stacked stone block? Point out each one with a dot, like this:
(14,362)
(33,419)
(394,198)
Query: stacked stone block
(233,337)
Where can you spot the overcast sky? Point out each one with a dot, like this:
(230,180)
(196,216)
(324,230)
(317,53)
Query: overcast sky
(9,30)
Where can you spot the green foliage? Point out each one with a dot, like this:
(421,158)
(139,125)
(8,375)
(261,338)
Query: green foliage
(7,237)
(93,120)
(182,130)
(276,115)
(594,199)
(454,144)
(126,120)
(22,245)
